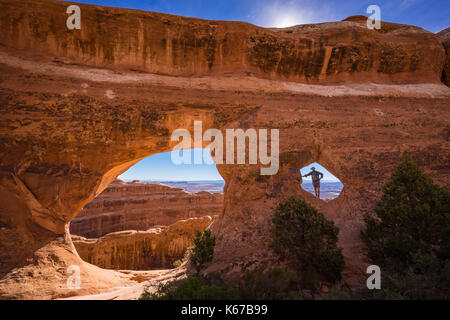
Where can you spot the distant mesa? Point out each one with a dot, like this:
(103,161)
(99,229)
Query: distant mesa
(139,205)
(155,248)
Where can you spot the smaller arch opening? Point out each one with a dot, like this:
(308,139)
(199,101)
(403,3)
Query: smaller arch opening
(320,182)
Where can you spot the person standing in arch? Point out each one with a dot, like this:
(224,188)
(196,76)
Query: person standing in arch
(316,176)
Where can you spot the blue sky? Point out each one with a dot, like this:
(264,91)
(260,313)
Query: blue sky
(160,167)
(326,174)
(433,15)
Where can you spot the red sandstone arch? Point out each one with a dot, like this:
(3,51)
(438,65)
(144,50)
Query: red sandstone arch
(62,145)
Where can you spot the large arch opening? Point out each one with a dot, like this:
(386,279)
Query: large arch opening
(148,217)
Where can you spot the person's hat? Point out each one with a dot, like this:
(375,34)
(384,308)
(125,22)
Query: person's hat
(312,168)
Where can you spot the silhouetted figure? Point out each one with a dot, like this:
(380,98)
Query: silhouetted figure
(315,176)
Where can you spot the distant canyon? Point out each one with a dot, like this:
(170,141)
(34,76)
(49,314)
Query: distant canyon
(142,225)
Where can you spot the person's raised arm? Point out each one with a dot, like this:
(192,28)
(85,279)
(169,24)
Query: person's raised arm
(308,174)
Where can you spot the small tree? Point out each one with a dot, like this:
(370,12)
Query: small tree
(409,236)
(413,216)
(192,288)
(301,231)
(203,249)
(179,262)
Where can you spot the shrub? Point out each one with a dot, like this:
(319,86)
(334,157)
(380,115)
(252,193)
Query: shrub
(413,216)
(339,292)
(203,249)
(275,283)
(191,288)
(301,231)
(426,278)
(179,262)
(409,236)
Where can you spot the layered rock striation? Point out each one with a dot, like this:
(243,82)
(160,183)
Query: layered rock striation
(155,248)
(139,206)
(167,44)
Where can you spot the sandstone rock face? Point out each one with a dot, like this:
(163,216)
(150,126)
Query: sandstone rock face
(139,206)
(445,36)
(45,276)
(166,44)
(68,129)
(156,248)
